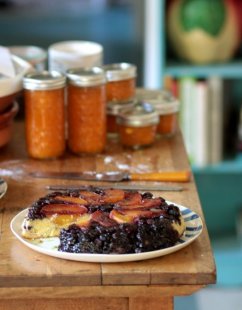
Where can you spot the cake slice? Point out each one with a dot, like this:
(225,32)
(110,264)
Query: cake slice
(105,221)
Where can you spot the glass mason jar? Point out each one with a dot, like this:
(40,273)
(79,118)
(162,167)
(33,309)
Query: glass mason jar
(137,126)
(44,114)
(113,110)
(166,105)
(86,106)
(121,81)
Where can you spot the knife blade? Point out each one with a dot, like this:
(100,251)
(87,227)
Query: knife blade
(139,187)
(116,176)
(3,187)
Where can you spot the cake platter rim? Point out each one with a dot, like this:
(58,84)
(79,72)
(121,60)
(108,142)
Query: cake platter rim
(48,246)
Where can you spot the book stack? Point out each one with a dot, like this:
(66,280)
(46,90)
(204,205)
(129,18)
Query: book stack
(201,118)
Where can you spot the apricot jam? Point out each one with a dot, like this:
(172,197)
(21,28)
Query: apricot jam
(86,99)
(121,81)
(137,126)
(166,105)
(113,110)
(44,114)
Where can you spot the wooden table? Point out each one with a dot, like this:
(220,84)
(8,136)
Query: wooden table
(30,280)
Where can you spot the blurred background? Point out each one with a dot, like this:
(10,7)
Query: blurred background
(192,48)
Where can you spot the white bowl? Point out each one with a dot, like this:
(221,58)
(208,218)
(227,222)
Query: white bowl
(74,54)
(12,85)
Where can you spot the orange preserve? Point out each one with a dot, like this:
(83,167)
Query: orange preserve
(44,114)
(113,110)
(137,126)
(166,105)
(86,97)
(121,81)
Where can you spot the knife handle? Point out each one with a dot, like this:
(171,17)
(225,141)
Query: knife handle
(166,176)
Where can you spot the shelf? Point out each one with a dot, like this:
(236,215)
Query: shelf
(231,70)
(231,166)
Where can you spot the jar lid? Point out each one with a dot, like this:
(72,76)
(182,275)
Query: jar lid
(142,114)
(119,71)
(114,107)
(86,76)
(43,80)
(162,100)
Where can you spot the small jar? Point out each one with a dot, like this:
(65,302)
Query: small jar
(86,98)
(137,126)
(121,81)
(44,114)
(113,110)
(166,105)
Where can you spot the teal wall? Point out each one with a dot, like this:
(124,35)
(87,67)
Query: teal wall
(221,198)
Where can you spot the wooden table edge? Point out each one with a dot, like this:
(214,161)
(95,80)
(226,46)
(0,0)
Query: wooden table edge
(99,291)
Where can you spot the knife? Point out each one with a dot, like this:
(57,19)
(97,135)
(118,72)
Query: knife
(3,187)
(139,187)
(116,176)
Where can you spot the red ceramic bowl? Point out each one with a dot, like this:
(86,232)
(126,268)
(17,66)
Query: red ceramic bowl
(7,101)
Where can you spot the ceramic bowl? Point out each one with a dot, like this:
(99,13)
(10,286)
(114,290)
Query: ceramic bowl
(6,123)
(11,87)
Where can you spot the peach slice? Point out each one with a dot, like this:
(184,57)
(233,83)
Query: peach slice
(84,220)
(64,219)
(103,219)
(113,195)
(145,204)
(77,200)
(152,203)
(61,208)
(130,216)
(90,197)
(131,198)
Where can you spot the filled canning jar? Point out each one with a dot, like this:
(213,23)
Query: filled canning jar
(137,125)
(86,106)
(166,105)
(113,110)
(121,81)
(44,114)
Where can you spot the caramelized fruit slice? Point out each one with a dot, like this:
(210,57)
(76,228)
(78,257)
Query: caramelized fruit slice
(130,216)
(103,219)
(113,195)
(131,198)
(152,203)
(84,220)
(61,208)
(70,199)
(146,204)
(90,197)
(120,218)
(64,219)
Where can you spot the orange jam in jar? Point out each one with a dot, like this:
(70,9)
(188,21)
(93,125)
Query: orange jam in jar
(121,81)
(166,105)
(86,98)
(44,114)
(137,126)
(113,110)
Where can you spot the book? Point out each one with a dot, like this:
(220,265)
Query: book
(215,92)
(201,125)
(187,98)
